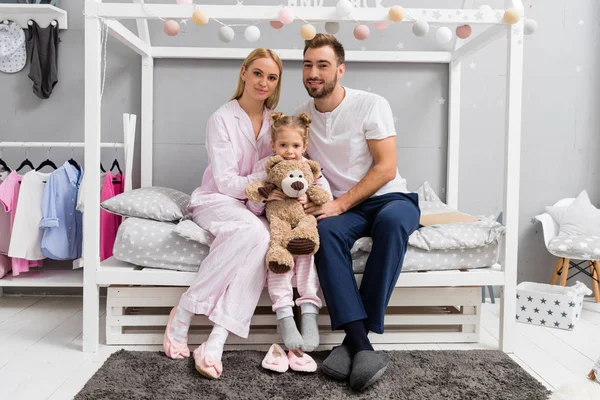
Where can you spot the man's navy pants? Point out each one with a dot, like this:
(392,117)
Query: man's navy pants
(389,219)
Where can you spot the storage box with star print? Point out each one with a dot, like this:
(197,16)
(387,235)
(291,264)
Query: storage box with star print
(550,305)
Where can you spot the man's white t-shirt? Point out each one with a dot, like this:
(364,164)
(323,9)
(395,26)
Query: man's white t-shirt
(338,139)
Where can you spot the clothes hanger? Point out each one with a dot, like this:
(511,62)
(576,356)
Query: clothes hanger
(25,163)
(46,163)
(73,162)
(102,167)
(116,164)
(3,164)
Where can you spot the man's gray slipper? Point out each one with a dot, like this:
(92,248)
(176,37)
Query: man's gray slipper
(338,363)
(367,367)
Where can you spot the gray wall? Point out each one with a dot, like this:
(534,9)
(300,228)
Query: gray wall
(560,128)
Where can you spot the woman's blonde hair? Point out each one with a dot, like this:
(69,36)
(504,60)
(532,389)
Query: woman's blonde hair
(301,123)
(256,54)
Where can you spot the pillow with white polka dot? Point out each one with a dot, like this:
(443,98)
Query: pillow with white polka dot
(154,202)
(579,247)
(190,230)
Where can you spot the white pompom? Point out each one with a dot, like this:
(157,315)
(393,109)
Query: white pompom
(252,33)
(344,8)
(443,35)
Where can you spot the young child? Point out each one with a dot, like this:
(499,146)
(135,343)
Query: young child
(289,139)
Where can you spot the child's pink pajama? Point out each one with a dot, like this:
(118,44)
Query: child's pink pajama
(307,282)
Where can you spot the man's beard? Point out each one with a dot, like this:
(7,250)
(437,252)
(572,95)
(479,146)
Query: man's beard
(325,91)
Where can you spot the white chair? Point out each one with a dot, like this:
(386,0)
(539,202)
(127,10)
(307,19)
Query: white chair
(550,229)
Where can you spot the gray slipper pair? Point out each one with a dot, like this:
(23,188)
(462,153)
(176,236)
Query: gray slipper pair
(363,370)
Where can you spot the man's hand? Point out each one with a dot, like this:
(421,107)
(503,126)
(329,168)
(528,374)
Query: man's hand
(277,195)
(329,209)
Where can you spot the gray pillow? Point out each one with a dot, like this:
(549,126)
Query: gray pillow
(155,202)
(153,244)
(581,218)
(191,231)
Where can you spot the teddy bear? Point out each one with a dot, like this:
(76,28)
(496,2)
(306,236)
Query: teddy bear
(292,231)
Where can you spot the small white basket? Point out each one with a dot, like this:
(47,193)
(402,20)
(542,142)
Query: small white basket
(549,305)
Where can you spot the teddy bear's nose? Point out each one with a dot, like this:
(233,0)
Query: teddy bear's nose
(297,185)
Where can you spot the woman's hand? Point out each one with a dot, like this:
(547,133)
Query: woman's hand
(303,199)
(277,195)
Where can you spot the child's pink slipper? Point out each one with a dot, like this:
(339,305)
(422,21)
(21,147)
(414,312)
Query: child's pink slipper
(276,360)
(206,364)
(172,348)
(302,362)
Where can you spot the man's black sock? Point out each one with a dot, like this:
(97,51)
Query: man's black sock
(356,337)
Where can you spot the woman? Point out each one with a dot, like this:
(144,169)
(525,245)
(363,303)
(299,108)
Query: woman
(232,277)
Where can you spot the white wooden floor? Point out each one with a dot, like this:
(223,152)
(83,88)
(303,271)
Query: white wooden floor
(41,357)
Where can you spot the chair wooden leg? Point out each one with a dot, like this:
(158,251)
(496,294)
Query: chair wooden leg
(595,285)
(565,271)
(559,264)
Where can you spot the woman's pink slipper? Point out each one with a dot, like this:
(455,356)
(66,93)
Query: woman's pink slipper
(172,348)
(300,361)
(276,360)
(207,365)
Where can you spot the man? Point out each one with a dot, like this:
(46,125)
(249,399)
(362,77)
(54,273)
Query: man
(353,137)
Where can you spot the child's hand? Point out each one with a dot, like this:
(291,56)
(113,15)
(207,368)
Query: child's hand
(277,195)
(303,199)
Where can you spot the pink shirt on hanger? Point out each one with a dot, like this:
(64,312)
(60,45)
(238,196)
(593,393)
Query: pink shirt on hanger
(109,223)
(9,197)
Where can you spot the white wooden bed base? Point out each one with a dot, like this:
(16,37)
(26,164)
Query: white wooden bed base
(425,289)
(139,314)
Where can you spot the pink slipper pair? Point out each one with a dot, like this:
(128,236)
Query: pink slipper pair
(276,360)
(207,365)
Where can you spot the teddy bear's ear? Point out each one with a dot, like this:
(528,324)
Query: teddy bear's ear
(315,167)
(272,161)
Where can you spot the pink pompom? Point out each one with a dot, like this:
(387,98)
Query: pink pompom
(361,32)
(285,16)
(463,31)
(171,27)
(381,25)
(276,24)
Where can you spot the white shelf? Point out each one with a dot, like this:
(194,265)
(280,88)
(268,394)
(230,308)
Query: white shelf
(40,277)
(43,14)
(115,272)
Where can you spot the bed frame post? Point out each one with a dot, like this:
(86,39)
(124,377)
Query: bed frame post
(453,146)
(453,158)
(147,134)
(147,111)
(514,83)
(91,217)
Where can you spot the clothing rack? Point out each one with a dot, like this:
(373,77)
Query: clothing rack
(71,277)
(56,144)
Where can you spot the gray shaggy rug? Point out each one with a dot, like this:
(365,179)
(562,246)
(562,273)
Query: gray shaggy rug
(412,375)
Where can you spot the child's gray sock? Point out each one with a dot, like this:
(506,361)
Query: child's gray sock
(291,337)
(310,327)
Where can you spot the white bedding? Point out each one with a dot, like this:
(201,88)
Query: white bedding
(436,247)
